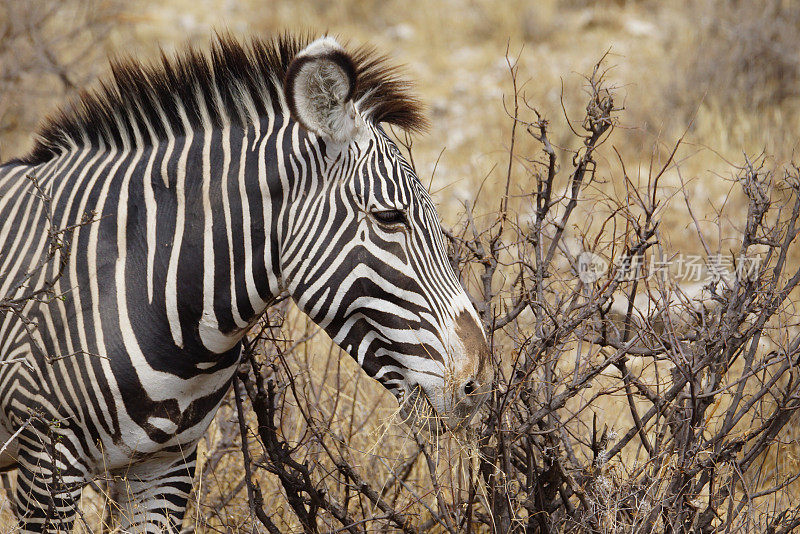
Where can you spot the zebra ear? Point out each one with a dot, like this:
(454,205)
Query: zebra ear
(319,87)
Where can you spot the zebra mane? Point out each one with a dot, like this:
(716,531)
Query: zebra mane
(223,85)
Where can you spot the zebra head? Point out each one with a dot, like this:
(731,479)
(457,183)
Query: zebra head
(365,256)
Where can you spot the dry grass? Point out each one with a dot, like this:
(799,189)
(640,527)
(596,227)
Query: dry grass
(680,67)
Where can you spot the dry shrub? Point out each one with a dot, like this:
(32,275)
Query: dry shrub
(627,398)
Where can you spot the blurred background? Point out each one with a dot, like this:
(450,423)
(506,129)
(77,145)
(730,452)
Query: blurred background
(721,74)
(726,72)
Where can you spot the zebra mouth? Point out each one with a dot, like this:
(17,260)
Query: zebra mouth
(417,411)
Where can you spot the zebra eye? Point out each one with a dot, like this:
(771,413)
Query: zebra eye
(390,217)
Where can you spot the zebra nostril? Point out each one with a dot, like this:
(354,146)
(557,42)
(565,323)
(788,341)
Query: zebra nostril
(470,387)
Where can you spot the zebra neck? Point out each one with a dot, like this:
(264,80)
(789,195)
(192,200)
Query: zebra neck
(231,188)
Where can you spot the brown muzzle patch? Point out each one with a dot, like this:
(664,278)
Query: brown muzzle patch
(476,350)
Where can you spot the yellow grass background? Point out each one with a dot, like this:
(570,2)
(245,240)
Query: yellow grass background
(457,52)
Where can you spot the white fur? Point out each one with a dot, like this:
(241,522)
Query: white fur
(321,46)
(320,89)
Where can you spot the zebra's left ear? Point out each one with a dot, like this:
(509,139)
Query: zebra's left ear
(319,86)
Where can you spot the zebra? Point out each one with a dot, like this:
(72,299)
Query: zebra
(197,189)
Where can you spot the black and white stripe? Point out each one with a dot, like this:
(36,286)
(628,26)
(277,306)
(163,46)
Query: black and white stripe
(213,185)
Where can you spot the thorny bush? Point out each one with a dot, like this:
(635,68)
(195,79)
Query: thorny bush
(626,399)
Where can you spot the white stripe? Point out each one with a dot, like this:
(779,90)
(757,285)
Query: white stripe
(171,290)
